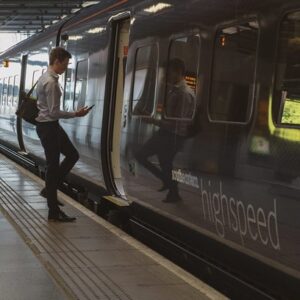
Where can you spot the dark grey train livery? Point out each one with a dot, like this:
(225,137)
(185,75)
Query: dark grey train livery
(214,183)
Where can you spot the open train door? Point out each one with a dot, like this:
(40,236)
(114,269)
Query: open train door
(111,131)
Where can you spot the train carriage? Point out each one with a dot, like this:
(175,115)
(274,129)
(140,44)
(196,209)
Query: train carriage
(209,178)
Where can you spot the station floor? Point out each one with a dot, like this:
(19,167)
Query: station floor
(88,259)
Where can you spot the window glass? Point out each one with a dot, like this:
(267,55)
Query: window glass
(234,72)
(35,76)
(286,100)
(181,77)
(35,63)
(69,88)
(4,91)
(16,90)
(81,84)
(144,81)
(10,90)
(1,90)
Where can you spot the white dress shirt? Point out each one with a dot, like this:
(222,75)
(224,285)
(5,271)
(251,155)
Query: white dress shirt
(49,93)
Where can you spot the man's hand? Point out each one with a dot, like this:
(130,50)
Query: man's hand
(82,112)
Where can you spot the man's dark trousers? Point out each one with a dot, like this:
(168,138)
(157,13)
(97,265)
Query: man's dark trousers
(55,141)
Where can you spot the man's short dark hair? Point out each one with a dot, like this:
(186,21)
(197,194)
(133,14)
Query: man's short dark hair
(177,65)
(58,53)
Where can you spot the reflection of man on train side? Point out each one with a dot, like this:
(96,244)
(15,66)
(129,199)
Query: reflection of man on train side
(174,129)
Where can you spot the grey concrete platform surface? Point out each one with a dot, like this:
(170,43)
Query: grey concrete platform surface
(87,259)
(22,276)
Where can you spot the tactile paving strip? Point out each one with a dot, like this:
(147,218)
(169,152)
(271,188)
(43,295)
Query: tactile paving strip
(75,272)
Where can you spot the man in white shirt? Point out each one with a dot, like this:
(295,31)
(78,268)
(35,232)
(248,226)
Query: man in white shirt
(53,138)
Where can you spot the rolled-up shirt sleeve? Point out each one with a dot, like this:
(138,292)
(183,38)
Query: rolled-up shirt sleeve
(53,94)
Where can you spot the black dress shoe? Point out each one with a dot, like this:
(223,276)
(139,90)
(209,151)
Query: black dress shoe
(60,217)
(43,193)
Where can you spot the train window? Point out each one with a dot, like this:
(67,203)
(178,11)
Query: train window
(80,84)
(144,81)
(181,78)
(1,88)
(16,90)
(232,87)
(10,90)
(35,76)
(286,97)
(36,61)
(4,91)
(69,88)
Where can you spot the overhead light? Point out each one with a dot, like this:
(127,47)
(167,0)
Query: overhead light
(158,7)
(74,10)
(96,30)
(75,37)
(88,3)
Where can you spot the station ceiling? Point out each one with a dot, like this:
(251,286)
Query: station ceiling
(35,15)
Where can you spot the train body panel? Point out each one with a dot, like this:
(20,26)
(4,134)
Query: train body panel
(225,170)
(217,174)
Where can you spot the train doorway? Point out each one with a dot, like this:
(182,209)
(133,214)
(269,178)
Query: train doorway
(120,44)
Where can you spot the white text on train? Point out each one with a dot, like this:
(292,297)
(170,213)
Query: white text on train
(245,219)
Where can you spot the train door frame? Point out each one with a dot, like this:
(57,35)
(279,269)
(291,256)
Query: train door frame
(22,87)
(112,116)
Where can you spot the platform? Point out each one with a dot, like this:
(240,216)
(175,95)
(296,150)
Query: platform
(87,259)
(22,276)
